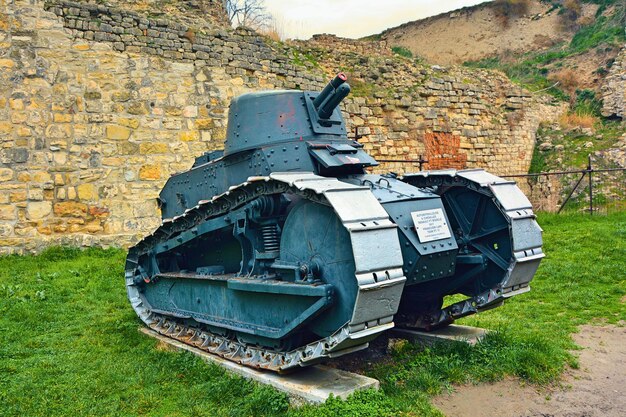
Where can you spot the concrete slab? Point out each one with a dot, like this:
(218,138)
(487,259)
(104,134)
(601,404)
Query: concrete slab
(452,333)
(313,384)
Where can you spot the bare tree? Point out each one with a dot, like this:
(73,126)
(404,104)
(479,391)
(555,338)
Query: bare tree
(249,13)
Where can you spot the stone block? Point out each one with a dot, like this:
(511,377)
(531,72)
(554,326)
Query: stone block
(18,196)
(11,241)
(87,192)
(137,108)
(7,63)
(99,212)
(17,155)
(62,118)
(35,194)
(189,136)
(128,148)
(37,210)
(128,122)
(204,124)
(70,209)
(5,229)
(452,333)
(93,227)
(7,212)
(121,96)
(6,174)
(148,148)
(312,384)
(117,132)
(150,172)
(190,111)
(5,127)
(41,176)
(16,104)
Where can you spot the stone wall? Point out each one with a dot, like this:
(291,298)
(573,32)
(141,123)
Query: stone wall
(614,88)
(99,106)
(402,110)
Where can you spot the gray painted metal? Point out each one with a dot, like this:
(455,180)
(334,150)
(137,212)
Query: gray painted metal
(524,233)
(380,279)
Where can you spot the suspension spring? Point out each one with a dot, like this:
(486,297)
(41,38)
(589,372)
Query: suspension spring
(271,241)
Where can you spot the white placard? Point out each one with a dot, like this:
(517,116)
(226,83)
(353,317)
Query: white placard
(430,225)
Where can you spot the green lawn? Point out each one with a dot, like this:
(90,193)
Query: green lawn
(69,343)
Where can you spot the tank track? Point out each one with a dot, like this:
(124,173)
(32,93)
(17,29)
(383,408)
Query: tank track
(380,279)
(524,231)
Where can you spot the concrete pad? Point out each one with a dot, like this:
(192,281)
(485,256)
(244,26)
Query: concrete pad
(313,384)
(451,333)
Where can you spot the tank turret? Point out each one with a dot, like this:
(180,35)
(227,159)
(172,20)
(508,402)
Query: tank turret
(273,131)
(284,116)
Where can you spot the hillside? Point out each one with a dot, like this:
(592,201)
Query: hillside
(571,42)
(481,31)
(574,50)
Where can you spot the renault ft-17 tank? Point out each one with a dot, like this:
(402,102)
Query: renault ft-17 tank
(282,251)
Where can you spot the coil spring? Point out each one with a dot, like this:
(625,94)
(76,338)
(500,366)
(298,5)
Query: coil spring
(271,242)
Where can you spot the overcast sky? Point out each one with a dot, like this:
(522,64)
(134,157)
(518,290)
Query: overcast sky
(353,18)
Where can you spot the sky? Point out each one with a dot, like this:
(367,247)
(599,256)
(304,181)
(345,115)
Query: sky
(301,19)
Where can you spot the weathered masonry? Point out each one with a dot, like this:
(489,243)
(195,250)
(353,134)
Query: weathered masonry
(99,105)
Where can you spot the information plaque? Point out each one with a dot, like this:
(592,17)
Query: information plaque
(430,225)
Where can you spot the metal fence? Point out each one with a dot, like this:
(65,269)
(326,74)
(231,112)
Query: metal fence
(597,189)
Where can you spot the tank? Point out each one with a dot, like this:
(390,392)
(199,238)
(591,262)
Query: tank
(282,250)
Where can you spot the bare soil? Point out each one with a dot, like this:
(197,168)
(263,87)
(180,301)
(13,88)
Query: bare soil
(474,33)
(597,388)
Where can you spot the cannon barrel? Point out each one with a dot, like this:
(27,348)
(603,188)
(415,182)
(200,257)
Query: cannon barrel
(330,97)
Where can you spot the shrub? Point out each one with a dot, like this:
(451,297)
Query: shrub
(569,15)
(575,120)
(568,80)
(505,10)
(587,103)
(402,51)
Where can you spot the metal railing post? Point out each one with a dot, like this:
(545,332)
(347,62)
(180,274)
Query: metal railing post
(590,170)
(572,192)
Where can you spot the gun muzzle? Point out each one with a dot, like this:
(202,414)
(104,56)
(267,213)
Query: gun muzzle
(330,97)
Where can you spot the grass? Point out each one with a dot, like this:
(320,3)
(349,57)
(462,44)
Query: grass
(304,59)
(538,162)
(574,154)
(70,344)
(528,71)
(402,51)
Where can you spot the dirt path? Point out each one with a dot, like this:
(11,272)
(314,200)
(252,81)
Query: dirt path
(597,389)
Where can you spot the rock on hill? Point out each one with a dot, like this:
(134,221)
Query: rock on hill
(481,31)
